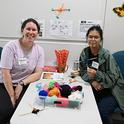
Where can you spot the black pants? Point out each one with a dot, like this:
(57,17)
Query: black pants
(6,107)
(106,104)
(101,94)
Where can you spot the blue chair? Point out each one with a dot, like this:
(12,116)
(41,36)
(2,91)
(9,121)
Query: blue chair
(119,57)
(118,116)
(0,51)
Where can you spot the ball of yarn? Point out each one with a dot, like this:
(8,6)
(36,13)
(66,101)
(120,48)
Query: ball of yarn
(54,92)
(51,84)
(43,93)
(75,88)
(65,90)
(39,86)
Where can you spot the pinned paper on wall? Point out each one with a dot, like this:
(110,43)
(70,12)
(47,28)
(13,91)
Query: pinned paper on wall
(42,27)
(84,25)
(61,28)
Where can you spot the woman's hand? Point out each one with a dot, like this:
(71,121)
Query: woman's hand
(97,85)
(13,100)
(91,72)
(18,91)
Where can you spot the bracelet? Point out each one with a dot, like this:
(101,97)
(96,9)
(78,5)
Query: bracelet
(21,83)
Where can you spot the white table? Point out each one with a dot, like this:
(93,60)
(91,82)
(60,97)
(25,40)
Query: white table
(88,114)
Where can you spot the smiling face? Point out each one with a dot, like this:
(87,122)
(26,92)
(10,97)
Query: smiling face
(94,39)
(30,32)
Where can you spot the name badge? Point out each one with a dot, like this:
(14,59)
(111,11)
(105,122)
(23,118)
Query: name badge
(22,61)
(95,65)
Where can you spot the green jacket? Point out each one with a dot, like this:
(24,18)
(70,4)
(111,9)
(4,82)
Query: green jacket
(108,73)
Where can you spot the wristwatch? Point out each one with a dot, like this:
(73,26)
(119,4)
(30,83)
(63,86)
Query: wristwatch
(21,83)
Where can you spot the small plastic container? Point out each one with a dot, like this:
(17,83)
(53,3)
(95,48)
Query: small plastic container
(59,102)
(76,65)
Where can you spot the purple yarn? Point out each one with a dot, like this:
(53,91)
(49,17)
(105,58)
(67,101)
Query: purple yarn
(75,88)
(65,90)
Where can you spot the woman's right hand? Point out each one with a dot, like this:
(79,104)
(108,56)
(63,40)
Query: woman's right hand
(18,91)
(91,72)
(13,100)
(97,85)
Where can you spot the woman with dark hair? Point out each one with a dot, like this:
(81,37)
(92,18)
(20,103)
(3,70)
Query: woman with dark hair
(21,64)
(98,67)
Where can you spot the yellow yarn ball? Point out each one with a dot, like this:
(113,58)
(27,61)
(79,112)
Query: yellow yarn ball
(54,92)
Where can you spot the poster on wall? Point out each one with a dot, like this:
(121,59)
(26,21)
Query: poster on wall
(42,27)
(61,28)
(84,25)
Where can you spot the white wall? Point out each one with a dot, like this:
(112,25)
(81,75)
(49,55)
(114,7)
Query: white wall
(114,27)
(113,36)
(74,48)
(12,13)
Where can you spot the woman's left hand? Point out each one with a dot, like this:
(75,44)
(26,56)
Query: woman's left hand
(18,91)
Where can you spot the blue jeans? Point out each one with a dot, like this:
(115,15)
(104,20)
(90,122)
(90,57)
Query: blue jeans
(106,106)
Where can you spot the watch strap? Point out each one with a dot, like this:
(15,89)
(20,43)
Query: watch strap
(21,83)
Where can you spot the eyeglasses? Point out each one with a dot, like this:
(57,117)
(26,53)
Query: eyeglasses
(91,37)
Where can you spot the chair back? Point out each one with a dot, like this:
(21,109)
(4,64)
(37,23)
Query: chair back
(119,57)
(0,52)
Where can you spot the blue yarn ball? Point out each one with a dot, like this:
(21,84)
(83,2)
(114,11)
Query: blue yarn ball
(43,93)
